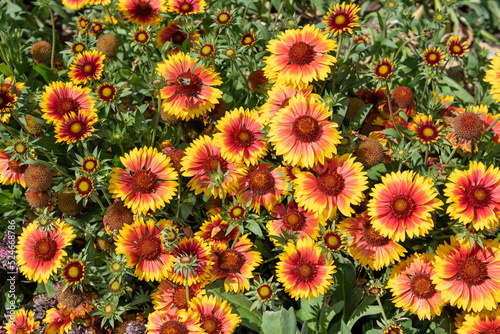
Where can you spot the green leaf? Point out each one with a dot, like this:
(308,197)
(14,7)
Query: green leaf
(279,322)
(390,44)
(459,90)
(90,251)
(309,311)
(45,71)
(344,329)
(5,69)
(364,309)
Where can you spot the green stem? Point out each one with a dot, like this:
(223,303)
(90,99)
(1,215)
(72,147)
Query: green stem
(391,112)
(381,308)
(187,292)
(94,196)
(444,66)
(178,199)
(236,238)
(4,56)
(245,13)
(53,54)
(450,156)
(106,197)
(402,45)
(157,121)
(322,314)
(278,15)
(8,130)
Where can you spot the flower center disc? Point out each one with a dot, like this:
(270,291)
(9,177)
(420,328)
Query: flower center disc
(211,324)
(16,167)
(468,125)
(331,183)
(402,206)
(383,69)
(472,271)
(88,68)
(243,138)
(231,261)
(428,133)
(372,237)
(433,57)
(265,292)
(421,285)
(66,105)
(478,196)
(212,163)
(237,212)
(144,181)
(76,128)
(143,9)
(305,271)
(149,248)
(173,327)
(179,298)
(301,53)
(294,220)
(457,49)
(178,38)
(261,182)
(340,20)
(188,84)
(20,148)
(332,241)
(306,129)
(107,92)
(45,249)
(186,8)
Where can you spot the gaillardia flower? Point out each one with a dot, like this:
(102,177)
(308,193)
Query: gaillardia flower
(425,129)
(367,245)
(148,182)
(478,323)
(216,315)
(298,57)
(23,323)
(193,260)
(302,133)
(11,170)
(58,321)
(248,39)
(402,205)
(73,272)
(241,137)
(86,66)
(61,98)
(75,127)
(74,4)
(304,271)
(188,92)
(337,184)
(142,245)
(412,287)
(186,7)
(170,297)
(468,276)
(493,77)
(106,92)
(457,48)
(342,19)
(141,36)
(84,186)
(143,12)
(215,232)
(383,69)
(185,322)
(40,253)
(433,57)
(474,195)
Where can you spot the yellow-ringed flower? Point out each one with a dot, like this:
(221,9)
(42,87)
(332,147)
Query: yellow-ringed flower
(457,48)
(439,16)
(82,23)
(412,287)
(207,50)
(141,36)
(383,69)
(202,162)
(304,271)
(106,92)
(186,7)
(97,28)
(23,323)
(40,253)
(73,272)
(141,244)
(235,265)
(402,205)
(11,169)
(241,137)
(474,195)
(8,98)
(342,19)
(74,4)
(78,47)
(87,65)
(84,186)
(483,322)
(216,315)
(425,129)
(302,133)
(193,261)
(262,185)
(247,39)
(61,98)
(75,127)
(215,232)
(188,92)
(337,184)
(367,245)
(468,276)
(223,17)
(279,97)
(182,322)
(332,240)
(433,57)
(361,39)
(299,57)
(89,165)
(143,12)
(170,297)
(493,77)
(148,182)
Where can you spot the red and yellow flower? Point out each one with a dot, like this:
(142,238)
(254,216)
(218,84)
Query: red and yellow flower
(148,182)
(75,127)
(493,77)
(141,36)
(8,98)
(433,57)
(11,170)
(143,12)
(86,66)
(73,272)
(383,69)
(457,48)
(74,4)
(425,129)
(58,321)
(299,57)
(185,322)
(193,260)
(216,315)
(215,232)
(186,7)
(478,323)
(402,205)
(170,297)
(173,33)
(40,253)
(141,244)
(304,271)
(23,323)
(106,92)
(342,19)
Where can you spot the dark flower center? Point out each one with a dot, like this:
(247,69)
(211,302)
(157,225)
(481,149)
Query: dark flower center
(211,324)
(149,247)
(45,249)
(66,105)
(77,129)
(213,162)
(265,292)
(468,125)
(243,137)
(185,8)
(422,287)
(473,271)
(16,167)
(231,261)
(179,297)
(331,183)
(144,181)
(402,206)
(188,84)
(306,129)
(143,9)
(261,181)
(301,53)
(294,220)
(305,270)
(332,240)
(173,327)
(178,37)
(88,68)
(478,196)
(372,237)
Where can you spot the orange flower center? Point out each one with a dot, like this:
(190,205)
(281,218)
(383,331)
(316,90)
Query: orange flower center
(432,57)
(141,37)
(143,9)
(89,166)
(332,240)
(88,68)
(305,270)
(66,105)
(372,237)
(144,181)
(265,292)
(243,137)
(211,324)
(223,18)
(478,196)
(45,249)
(16,167)
(261,181)
(237,212)
(179,297)
(468,125)
(188,84)
(173,327)
(301,54)
(73,273)
(422,287)
(213,162)
(76,128)
(331,183)
(340,19)
(231,261)
(456,49)
(428,133)
(402,206)
(149,247)
(473,271)
(186,8)
(294,220)
(306,129)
